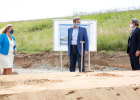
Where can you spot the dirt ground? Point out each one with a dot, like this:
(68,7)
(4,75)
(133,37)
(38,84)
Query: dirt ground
(118,59)
(109,85)
(119,85)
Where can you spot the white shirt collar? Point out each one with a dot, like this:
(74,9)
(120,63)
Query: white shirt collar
(134,28)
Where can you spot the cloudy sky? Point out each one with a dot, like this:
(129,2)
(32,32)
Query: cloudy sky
(15,10)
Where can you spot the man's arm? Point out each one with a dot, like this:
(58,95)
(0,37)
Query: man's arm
(128,48)
(138,37)
(86,40)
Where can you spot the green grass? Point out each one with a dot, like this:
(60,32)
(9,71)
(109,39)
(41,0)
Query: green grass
(113,31)
(33,36)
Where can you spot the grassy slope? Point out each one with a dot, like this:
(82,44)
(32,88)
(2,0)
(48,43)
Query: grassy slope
(113,31)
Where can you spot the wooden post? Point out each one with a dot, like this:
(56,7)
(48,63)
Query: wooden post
(82,42)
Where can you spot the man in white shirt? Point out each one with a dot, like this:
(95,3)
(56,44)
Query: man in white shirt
(76,34)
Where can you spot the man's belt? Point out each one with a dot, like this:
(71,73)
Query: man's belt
(73,45)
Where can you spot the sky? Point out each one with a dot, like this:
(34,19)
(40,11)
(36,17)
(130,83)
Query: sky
(16,10)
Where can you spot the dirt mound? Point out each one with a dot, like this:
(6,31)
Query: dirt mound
(107,75)
(119,59)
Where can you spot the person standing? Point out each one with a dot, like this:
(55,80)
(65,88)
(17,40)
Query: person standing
(133,48)
(7,49)
(75,35)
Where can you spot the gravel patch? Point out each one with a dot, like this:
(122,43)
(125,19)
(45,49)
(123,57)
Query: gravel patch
(46,68)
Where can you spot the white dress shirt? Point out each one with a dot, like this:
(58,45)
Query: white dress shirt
(74,36)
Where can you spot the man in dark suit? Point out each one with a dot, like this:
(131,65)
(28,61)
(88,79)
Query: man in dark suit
(76,34)
(133,48)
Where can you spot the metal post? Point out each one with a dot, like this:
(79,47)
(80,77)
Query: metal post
(89,61)
(0,72)
(82,42)
(61,59)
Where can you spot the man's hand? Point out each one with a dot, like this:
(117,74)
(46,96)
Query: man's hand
(137,53)
(128,54)
(86,52)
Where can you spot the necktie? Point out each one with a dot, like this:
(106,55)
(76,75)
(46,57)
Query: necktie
(130,37)
(131,34)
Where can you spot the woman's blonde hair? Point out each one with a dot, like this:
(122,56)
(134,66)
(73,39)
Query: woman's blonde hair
(4,30)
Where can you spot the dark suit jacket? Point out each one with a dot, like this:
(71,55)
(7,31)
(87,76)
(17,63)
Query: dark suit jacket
(82,36)
(134,42)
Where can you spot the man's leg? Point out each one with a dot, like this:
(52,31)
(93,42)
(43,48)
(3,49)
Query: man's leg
(72,60)
(132,63)
(136,63)
(72,63)
(79,62)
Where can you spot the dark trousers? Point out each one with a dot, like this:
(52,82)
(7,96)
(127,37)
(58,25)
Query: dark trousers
(75,56)
(134,62)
